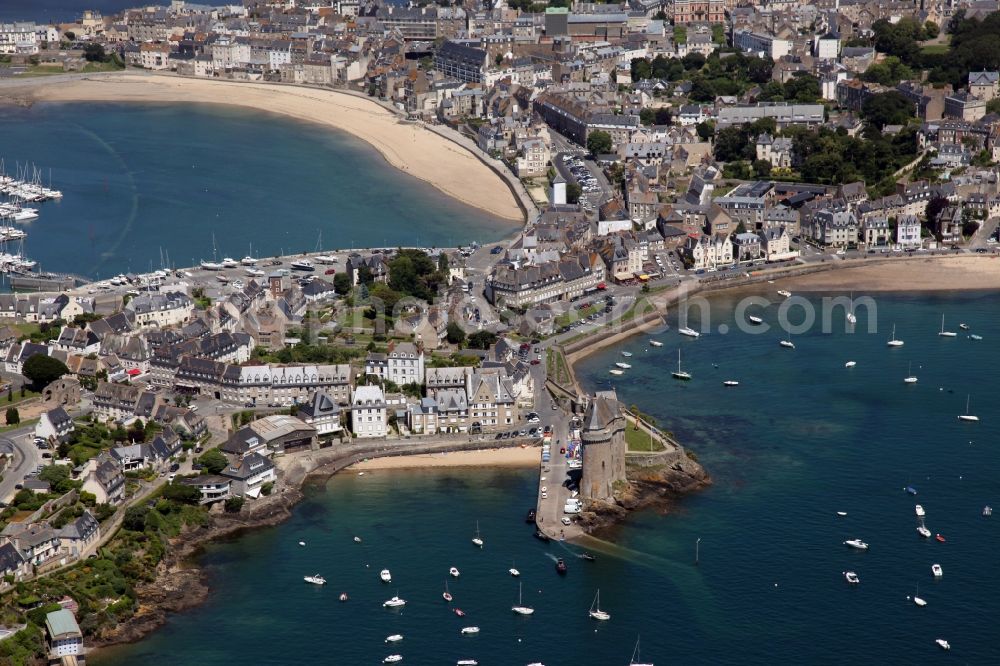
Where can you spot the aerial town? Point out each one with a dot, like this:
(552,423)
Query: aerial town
(653,145)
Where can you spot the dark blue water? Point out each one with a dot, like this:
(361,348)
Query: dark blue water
(800,439)
(142,182)
(63,11)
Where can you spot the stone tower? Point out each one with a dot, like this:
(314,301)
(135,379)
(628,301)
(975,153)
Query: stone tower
(604,446)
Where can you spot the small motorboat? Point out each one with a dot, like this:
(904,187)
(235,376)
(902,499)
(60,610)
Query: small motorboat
(857,544)
(623,366)
(616,372)
(785,293)
(688,332)
(919,601)
(454,572)
(627,354)
(561,566)
(852,577)
(850,364)
(357,539)
(919,511)
(940,538)
(393,659)
(841,513)
(514,572)
(343,596)
(459,612)
(987,511)
(470,630)
(937,570)
(395,602)
(964,327)
(755,320)
(730,382)
(385,576)
(942,643)
(395,638)
(530,517)
(541,536)
(787,344)
(910,490)
(656,343)
(587,556)
(315,579)
(975,337)
(924,532)
(467,662)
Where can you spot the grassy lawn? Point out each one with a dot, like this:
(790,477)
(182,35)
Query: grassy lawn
(638,440)
(934,48)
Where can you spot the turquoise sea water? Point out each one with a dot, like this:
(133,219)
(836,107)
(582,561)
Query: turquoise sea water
(800,439)
(141,182)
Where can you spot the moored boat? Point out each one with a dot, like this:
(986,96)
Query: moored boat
(857,544)
(852,577)
(393,659)
(850,364)
(937,571)
(595,609)
(395,638)
(688,332)
(924,532)
(730,382)
(561,566)
(385,575)
(470,630)
(942,643)
(315,579)
(394,602)
(656,343)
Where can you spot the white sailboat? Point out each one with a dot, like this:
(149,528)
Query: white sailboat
(910,378)
(946,334)
(755,320)
(967,416)
(656,343)
(520,608)
(623,366)
(689,332)
(917,599)
(680,374)
(636,656)
(851,318)
(477,539)
(787,342)
(893,342)
(595,609)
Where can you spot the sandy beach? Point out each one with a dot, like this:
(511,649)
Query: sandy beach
(510,457)
(407,146)
(930,274)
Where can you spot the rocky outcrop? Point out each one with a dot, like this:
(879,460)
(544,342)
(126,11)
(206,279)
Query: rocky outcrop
(653,487)
(179,584)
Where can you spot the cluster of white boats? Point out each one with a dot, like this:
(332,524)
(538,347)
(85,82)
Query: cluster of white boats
(936,569)
(26,189)
(519,608)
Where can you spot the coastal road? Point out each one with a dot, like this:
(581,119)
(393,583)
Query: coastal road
(26,457)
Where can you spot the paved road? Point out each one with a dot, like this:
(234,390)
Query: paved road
(26,458)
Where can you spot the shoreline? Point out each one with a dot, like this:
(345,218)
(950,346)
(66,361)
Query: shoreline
(931,274)
(507,457)
(180,584)
(424,154)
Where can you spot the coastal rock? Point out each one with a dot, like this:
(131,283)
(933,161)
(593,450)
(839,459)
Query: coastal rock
(652,487)
(179,584)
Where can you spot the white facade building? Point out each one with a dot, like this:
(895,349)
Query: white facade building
(368,412)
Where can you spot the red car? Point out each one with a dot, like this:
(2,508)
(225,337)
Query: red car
(535,361)
(330,271)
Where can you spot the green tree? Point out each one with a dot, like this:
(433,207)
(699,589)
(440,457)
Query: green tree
(573,193)
(234,504)
(733,143)
(641,69)
(42,370)
(13,417)
(599,143)
(455,334)
(342,283)
(181,492)
(482,340)
(761,168)
(443,262)
(931,29)
(213,460)
(888,108)
(647,116)
(706,130)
